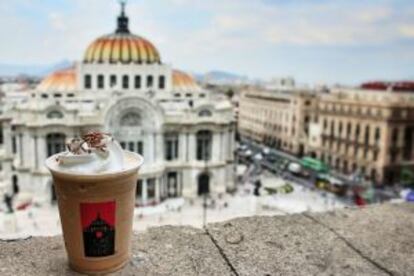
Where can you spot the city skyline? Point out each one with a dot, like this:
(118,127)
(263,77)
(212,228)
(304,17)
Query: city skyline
(319,42)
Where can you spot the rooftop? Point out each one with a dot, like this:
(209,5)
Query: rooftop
(375,240)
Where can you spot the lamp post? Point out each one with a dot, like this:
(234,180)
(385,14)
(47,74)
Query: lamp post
(205,192)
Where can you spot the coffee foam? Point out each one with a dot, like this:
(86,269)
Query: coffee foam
(131,161)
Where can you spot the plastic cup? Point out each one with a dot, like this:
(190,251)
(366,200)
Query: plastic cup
(96,212)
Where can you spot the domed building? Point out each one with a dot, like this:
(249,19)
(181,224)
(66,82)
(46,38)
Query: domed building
(121,86)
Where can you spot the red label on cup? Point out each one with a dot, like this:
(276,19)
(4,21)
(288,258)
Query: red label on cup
(98,227)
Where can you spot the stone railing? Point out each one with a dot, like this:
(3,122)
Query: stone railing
(376,240)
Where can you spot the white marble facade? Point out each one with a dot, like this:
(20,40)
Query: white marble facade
(185,134)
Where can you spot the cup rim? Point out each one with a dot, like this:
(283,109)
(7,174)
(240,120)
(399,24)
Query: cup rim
(127,170)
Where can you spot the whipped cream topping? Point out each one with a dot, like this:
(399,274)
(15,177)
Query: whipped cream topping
(96,153)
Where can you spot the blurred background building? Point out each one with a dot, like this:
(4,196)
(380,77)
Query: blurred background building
(366,130)
(121,86)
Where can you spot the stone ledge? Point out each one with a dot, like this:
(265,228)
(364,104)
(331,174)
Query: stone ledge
(376,240)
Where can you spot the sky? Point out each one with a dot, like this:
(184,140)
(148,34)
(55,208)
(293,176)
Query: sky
(314,41)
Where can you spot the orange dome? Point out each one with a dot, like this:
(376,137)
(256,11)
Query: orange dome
(59,81)
(122,48)
(184,82)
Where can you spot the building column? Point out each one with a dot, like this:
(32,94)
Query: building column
(160,146)
(149,152)
(36,153)
(182,146)
(42,154)
(215,146)
(144,195)
(192,149)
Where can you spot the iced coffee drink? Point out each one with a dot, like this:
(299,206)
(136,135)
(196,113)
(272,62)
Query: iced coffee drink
(95,182)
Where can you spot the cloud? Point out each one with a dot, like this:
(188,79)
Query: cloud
(407,31)
(246,35)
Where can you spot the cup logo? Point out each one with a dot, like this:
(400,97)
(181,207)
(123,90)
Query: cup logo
(98,226)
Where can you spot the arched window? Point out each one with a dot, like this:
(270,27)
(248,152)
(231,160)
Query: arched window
(112,81)
(54,114)
(150,81)
(137,82)
(125,82)
(55,143)
(204,141)
(161,82)
(88,81)
(131,119)
(100,83)
(204,113)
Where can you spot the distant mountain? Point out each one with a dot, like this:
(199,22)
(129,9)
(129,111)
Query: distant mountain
(221,77)
(11,70)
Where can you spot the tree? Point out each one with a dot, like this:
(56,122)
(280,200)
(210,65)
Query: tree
(407,177)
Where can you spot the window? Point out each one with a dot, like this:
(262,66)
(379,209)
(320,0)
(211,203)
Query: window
(150,81)
(151,187)
(172,185)
(204,138)
(100,81)
(161,82)
(140,148)
(131,146)
(45,96)
(112,81)
(348,130)
(54,115)
(325,124)
(340,129)
(408,143)
(188,95)
(375,155)
(171,146)
(88,82)
(204,113)
(123,145)
(131,119)
(55,143)
(1,135)
(57,95)
(377,135)
(137,82)
(332,128)
(367,134)
(71,95)
(125,82)
(139,189)
(14,144)
(357,131)
(394,136)
(202,95)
